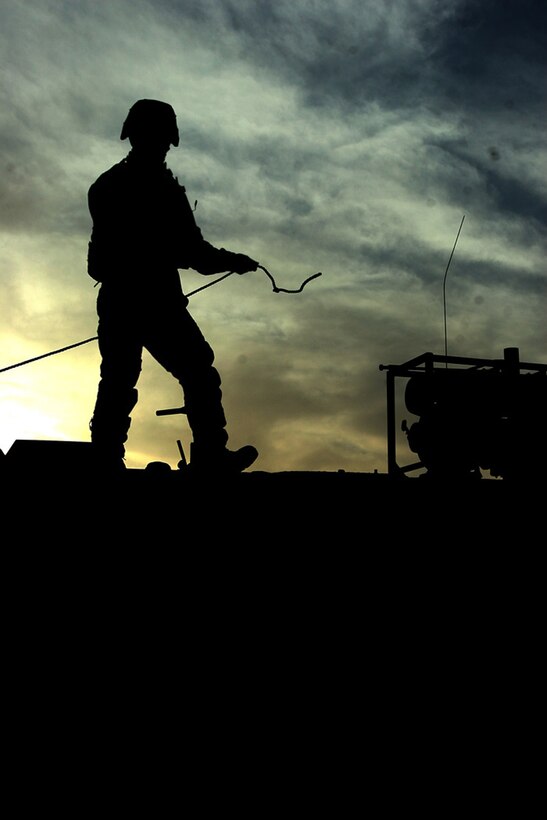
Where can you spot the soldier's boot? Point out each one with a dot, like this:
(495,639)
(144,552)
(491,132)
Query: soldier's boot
(109,431)
(108,451)
(207,460)
(205,413)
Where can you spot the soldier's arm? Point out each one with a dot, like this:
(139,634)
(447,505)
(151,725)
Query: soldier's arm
(204,257)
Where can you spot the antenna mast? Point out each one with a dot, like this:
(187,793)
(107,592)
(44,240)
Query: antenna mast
(444,288)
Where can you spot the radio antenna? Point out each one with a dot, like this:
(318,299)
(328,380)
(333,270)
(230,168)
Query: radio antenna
(444,288)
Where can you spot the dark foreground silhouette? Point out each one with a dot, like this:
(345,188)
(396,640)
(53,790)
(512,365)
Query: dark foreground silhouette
(364,507)
(143,232)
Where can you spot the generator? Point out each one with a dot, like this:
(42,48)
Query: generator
(473,416)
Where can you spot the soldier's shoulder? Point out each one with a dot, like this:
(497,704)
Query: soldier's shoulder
(111,176)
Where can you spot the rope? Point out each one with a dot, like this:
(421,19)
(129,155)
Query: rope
(284,290)
(197,290)
(45,355)
(275,288)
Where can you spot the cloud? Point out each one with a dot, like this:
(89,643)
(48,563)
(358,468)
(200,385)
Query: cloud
(352,53)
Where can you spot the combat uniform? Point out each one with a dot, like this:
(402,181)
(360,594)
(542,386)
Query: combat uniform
(143,232)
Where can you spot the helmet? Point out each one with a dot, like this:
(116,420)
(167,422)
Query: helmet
(151,116)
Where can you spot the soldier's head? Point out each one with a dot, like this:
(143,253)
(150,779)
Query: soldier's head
(151,125)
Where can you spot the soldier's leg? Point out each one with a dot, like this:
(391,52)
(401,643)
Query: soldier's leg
(181,348)
(121,362)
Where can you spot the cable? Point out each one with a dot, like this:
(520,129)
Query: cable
(208,285)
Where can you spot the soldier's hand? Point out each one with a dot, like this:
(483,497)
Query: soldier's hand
(243,263)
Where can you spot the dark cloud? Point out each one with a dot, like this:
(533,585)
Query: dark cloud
(505,193)
(492,53)
(407,53)
(348,52)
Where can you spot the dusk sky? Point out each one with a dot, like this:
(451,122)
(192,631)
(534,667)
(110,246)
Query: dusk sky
(347,137)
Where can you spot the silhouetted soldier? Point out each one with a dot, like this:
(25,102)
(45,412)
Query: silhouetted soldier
(144,231)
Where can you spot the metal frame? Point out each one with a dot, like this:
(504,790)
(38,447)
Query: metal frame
(425,365)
